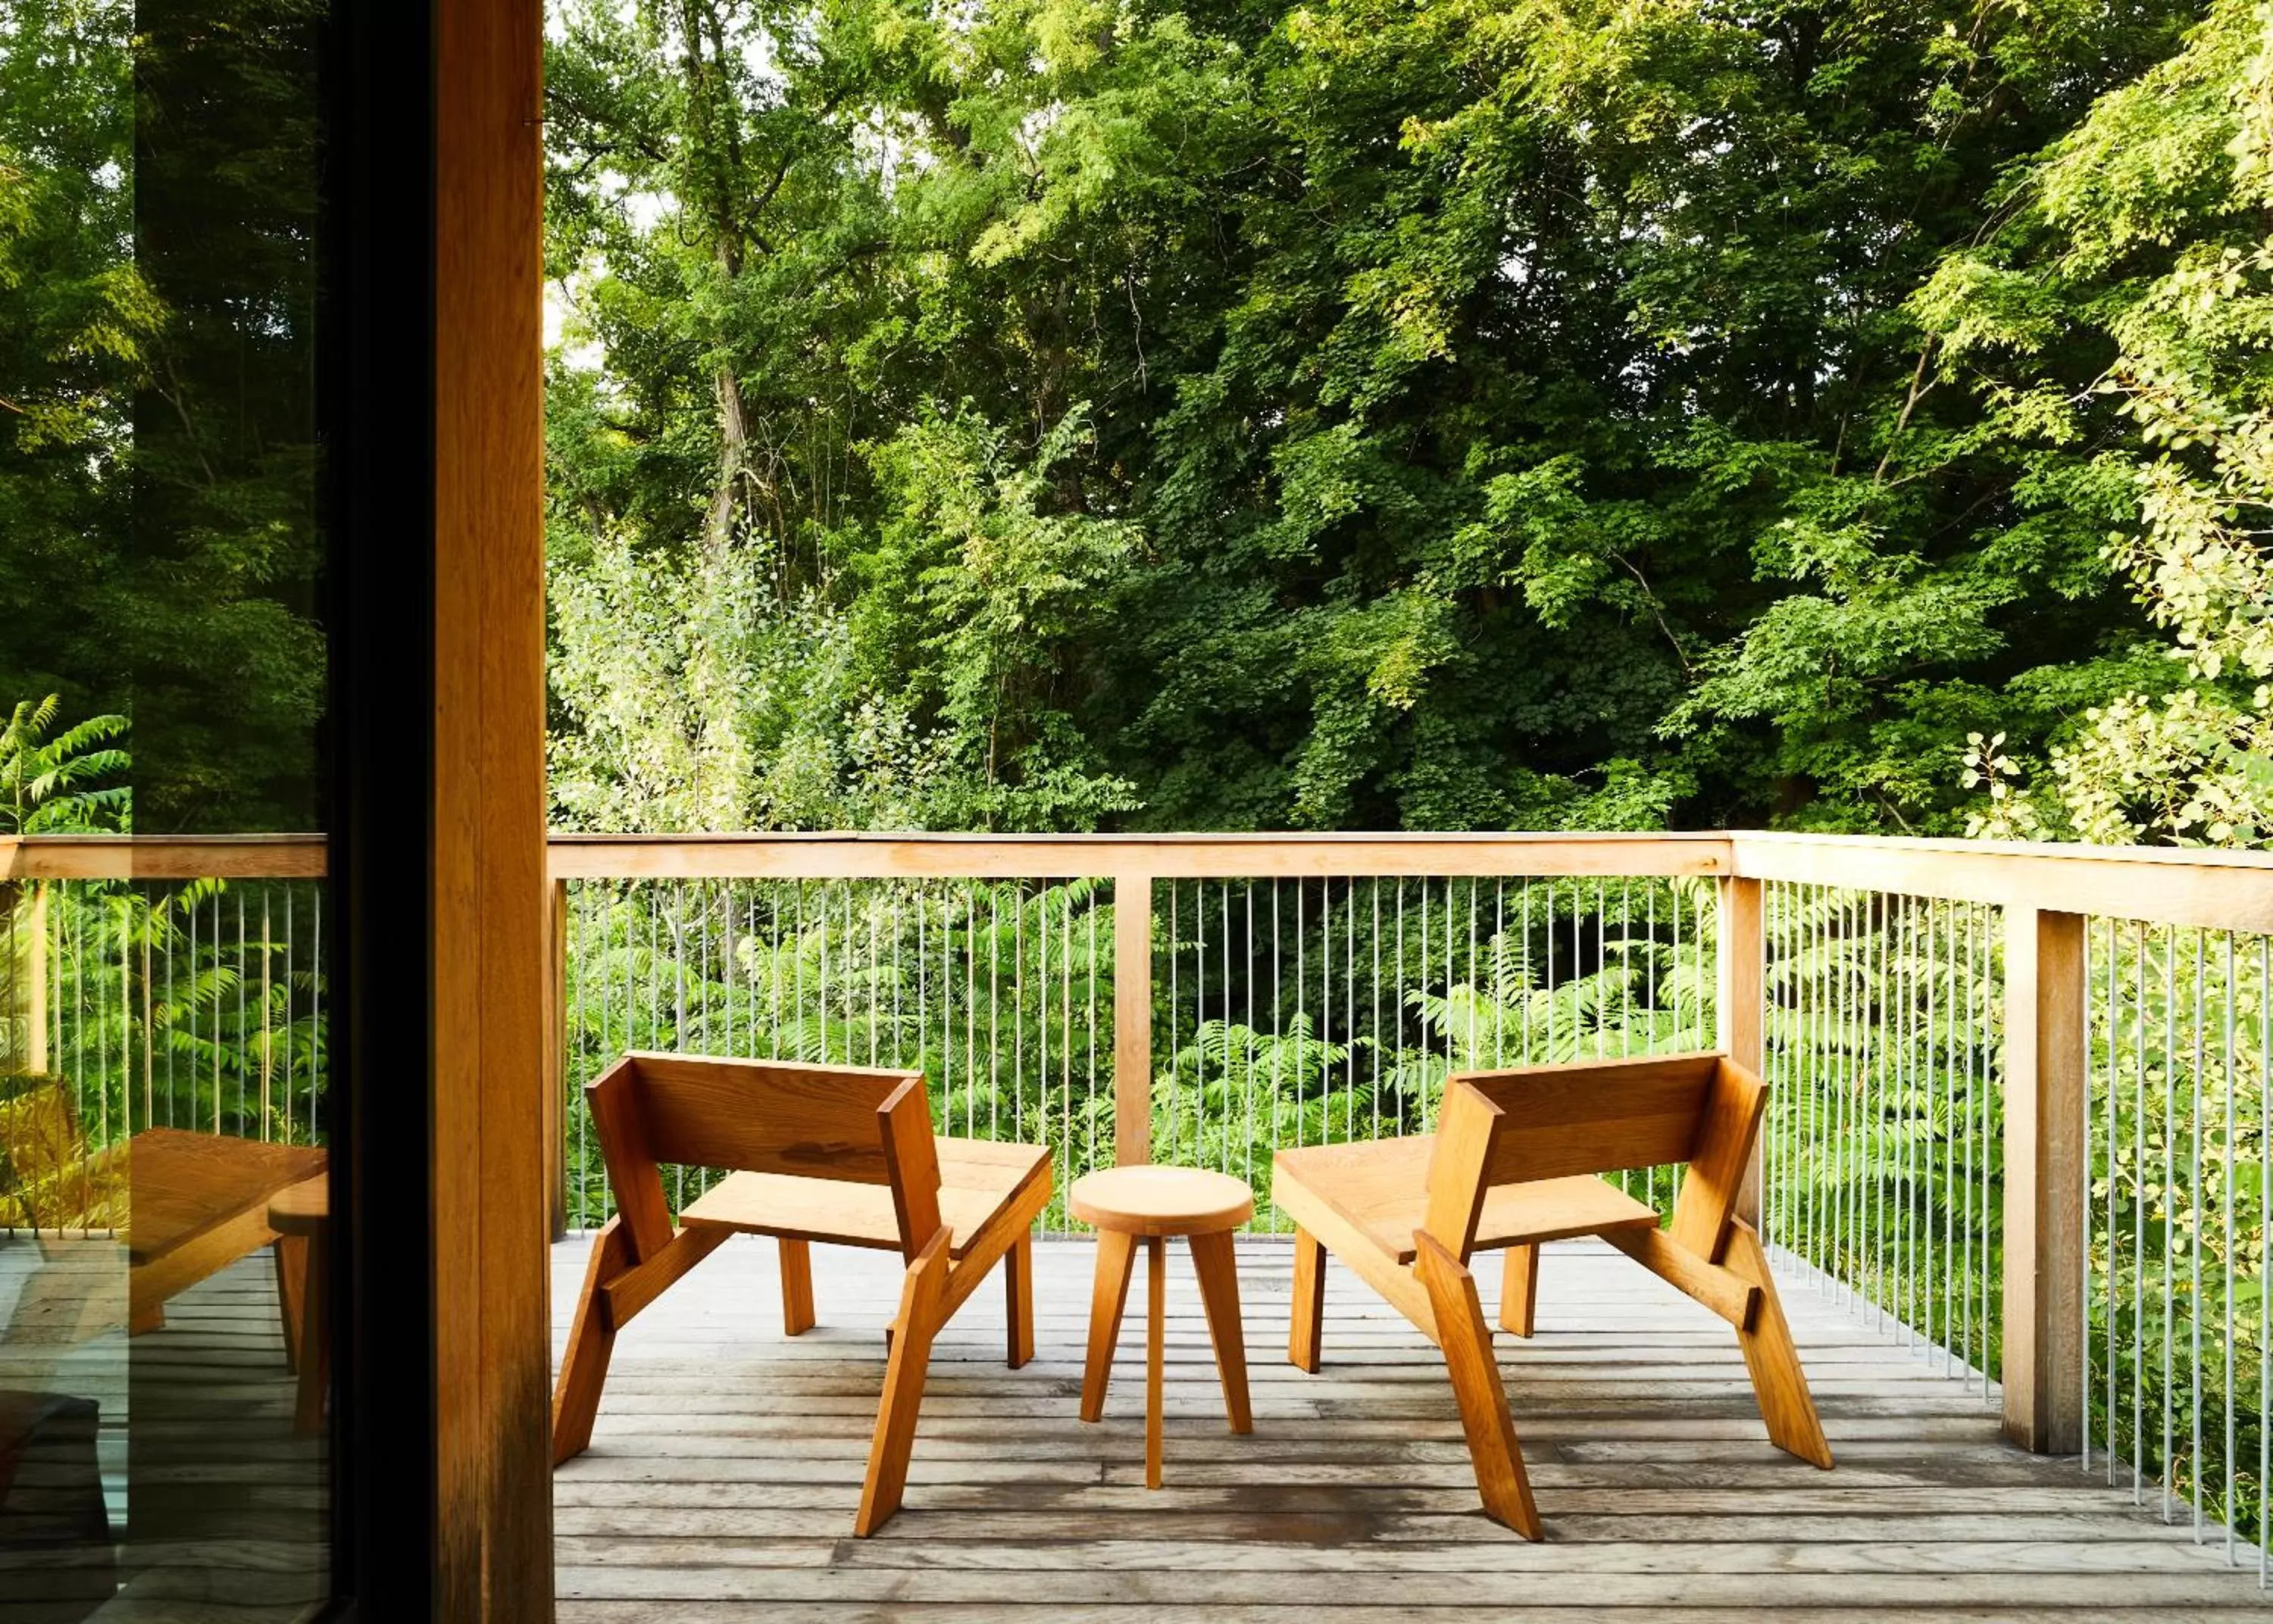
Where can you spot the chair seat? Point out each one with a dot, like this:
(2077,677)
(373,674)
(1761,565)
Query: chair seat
(1382,1188)
(980,1179)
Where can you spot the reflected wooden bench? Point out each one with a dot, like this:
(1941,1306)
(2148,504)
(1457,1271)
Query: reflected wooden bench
(838,1154)
(1512,1164)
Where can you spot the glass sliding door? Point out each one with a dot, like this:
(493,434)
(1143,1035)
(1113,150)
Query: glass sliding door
(167,1087)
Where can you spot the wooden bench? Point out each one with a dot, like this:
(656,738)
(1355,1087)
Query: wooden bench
(1512,1164)
(839,1154)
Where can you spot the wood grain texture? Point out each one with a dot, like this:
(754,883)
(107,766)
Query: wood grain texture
(1109,1297)
(1519,1290)
(913,1330)
(1740,955)
(1466,1341)
(1215,1261)
(1773,1359)
(1595,1116)
(727,1468)
(1469,1124)
(837,855)
(1716,1287)
(1728,1136)
(591,1341)
(1161,1200)
(2045,1081)
(1018,1295)
(1380,1187)
(489,1226)
(767,1116)
(797,1285)
(1306,1319)
(1132,1018)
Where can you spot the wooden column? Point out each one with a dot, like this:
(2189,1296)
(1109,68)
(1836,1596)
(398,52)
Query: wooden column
(1132,1018)
(491,1164)
(2045,1064)
(1737,1004)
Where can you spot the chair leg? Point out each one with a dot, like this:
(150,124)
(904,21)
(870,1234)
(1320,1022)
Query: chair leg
(1306,1334)
(1215,1264)
(1108,1294)
(922,1296)
(1519,1290)
(584,1369)
(1467,1341)
(1018,1294)
(1772,1359)
(796,1286)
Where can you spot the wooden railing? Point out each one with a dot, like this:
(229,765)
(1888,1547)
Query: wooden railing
(2022,1104)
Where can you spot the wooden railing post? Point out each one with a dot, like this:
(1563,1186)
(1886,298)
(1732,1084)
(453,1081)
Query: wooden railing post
(24,972)
(1132,1018)
(1739,954)
(2044,1069)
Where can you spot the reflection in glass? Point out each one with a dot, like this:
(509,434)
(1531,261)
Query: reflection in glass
(163,1080)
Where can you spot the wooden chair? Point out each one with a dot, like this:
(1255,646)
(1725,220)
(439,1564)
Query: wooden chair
(1508,1167)
(838,1154)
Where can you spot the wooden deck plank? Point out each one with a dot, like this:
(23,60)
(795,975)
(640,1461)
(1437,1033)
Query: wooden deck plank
(726,1463)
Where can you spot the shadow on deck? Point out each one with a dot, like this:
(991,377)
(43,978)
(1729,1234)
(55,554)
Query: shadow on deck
(727,1461)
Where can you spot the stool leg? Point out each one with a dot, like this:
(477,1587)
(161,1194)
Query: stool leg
(315,1335)
(1116,1254)
(291,1255)
(1214,1261)
(1155,1340)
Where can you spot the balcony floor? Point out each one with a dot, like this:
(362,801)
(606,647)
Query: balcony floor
(727,1461)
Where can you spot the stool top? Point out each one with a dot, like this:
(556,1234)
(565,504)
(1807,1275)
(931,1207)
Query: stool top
(1161,1201)
(301,1209)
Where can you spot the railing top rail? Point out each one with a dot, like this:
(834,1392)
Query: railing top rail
(1163,855)
(2218,889)
(2187,886)
(164,857)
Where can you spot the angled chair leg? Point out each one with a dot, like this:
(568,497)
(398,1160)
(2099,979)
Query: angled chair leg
(1306,1334)
(1467,1341)
(1772,1359)
(1108,1294)
(1519,1290)
(1018,1289)
(921,1298)
(584,1368)
(796,1286)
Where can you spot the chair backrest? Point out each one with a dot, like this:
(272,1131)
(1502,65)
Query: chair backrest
(1599,1116)
(849,1123)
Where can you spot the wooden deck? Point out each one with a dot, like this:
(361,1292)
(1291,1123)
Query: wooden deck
(726,1463)
(220,1511)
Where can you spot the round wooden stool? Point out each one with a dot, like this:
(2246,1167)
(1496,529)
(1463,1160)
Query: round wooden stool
(1128,1204)
(301,1216)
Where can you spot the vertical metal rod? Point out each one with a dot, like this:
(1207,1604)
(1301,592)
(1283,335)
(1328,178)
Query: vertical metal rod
(2195,1208)
(2170,1180)
(2231,1231)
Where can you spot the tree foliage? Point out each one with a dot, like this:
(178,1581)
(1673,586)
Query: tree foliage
(1512,412)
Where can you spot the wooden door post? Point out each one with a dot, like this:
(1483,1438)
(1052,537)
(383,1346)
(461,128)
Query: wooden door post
(2045,1065)
(1740,953)
(1132,1018)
